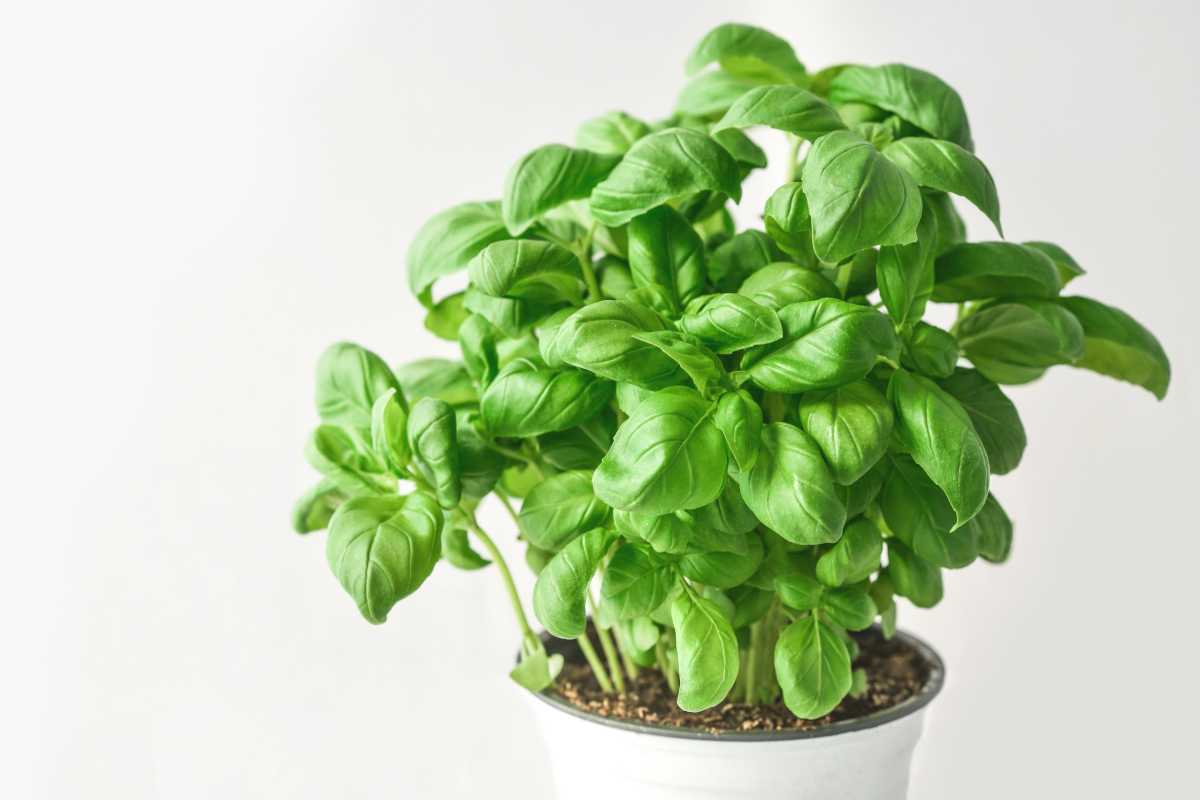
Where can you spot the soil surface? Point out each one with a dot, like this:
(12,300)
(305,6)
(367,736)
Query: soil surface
(895,672)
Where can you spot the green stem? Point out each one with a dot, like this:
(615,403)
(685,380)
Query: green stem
(508,452)
(508,506)
(606,644)
(623,648)
(584,254)
(594,662)
(513,597)
(793,154)
(660,655)
(751,686)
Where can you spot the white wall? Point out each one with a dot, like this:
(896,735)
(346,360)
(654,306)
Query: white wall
(196,198)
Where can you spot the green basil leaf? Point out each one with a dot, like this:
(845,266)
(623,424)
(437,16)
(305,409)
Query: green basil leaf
(930,351)
(993,531)
(858,496)
(513,316)
(850,607)
(1117,345)
(733,261)
(1068,268)
(748,52)
(599,338)
(853,558)
(918,513)
(667,456)
(884,596)
(612,133)
(935,430)
(728,514)
(948,167)
(447,243)
(707,650)
(334,453)
(581,447)
(388,431)
(432,440)
(994,416)
(730,322)
(739,417)
(542,273)
(664,166)
(528,400)
(700,363)
(741,147)
(905,272)
(791,490)
(799,591)
(480,467)
(614,278)
(749,605)
(825,343)
(813,667)
(439,378)
(1015,342)
(710,94)
(981,270)
(636,581)
(381,549)
(951,229)
(665,251)
(781,284)
(913,577)
(851,424)
(724,570)
(457,550)
(477,340)
(548,177)
(666,533)
(447,316)
(536,671)
(560,508)
(315,507)
(349,381)
(561,588)
(857,198)
(787,221)
(784,108)
(913,95)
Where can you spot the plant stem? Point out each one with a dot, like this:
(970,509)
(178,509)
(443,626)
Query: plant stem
(606,644)
(508,452)
(584,254)
(504,501)
(594,662)
(513,597)
(793,153)
(751,686)
(631,668)
(660,655)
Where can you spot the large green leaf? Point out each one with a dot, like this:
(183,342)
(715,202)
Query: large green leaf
(432,440)
(667,456)
(447,243)
(781,284)
(527,400)
(389,431)
(636,581)
(905,272)
(707,652)
(349,381)
(701,364)
(1015,342)
(913,576)
(785,108)
(724,570)
(850,607)
(1117,345)
(748,52)
(733,261)
(612,133)
(440,378)
(788,222)
(919,515)
(560,593)
(852,425)
(664,166)
(930,351)
(548,177)
(730,322)
(739,417)
(935,430)
(599,338)
(665,251)
(982,270)
(540,273)
(710,94)
(994,416)
(914,95)
(316,506)
(857,198)
(813,667)
(791,490)
(826,343)
(333,452)
(1068,268)
(948,167)
(560,508)
(383,548)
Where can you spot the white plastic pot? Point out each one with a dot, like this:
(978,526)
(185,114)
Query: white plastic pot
(860,759)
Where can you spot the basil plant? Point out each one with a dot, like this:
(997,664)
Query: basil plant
(728,448)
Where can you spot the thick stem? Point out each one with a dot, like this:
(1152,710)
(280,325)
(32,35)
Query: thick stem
(793,153)
(606,644)
(623,648)
(513,597)
(751,686)
(660,655)
(589,652)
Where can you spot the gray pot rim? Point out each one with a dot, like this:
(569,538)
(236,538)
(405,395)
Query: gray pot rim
(931,689)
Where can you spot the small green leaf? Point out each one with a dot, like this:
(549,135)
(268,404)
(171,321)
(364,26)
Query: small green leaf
(905,272)
(537,671)
(1117,345)
(561,589)
(913,95)
(334,453)
(599,339)
(560,508)
(700,363)
(787,221)
(724,570)
(739,417)
(388,431)
(349,381)
(933,428)
(813,667)
(666,533)
(930,351)
(851,424)
(447,316)
(730,322)
(664,166)
(799,591)
(636,581)
(381,549)
(728,514)
(918,513)
(850,607)
(315,507)
(854,557)
(528,400)
(741,147)
(951,229)
(477,340)
(432,440)
(781,284)
(447,243)
(913,577)
(747,52)
(457,550)
(992,531)
(710,94)
(540,273)
(439,378)
(667,456)
(1015,342)
(665,251)
(859,495)
(826,343)
(1068,268)
(749,604)
(857,198)
(982,270)
(548,177)
(707,650)
(733,261)
(785,108)
(948,167)
(791,490)
(612,133)
(994,416)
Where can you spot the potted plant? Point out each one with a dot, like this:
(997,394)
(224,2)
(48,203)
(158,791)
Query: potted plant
(750,442)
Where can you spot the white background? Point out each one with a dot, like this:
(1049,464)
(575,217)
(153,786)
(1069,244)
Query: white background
(195,198)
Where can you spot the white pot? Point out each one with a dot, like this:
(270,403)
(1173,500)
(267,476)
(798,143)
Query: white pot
(860,759)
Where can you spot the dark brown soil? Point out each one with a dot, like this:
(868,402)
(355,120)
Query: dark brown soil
(895,672)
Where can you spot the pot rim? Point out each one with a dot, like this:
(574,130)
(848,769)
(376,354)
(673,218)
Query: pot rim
(931,689)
